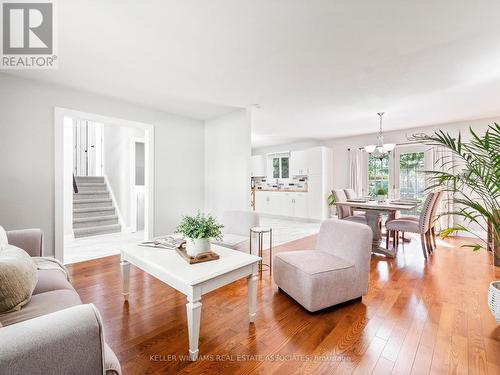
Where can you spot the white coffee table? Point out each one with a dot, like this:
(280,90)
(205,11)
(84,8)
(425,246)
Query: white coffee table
(193,280)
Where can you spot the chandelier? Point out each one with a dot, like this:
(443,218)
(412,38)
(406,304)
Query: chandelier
(380,150)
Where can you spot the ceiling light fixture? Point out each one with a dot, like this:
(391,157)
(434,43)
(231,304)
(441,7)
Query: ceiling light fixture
(380,150)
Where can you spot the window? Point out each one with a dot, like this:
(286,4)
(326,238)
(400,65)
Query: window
(411,175)
(378,174)
(412,178)
(281,167)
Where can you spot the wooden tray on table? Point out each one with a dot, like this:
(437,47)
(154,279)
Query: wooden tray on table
(207,256)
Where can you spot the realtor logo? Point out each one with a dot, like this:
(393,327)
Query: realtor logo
(27,35)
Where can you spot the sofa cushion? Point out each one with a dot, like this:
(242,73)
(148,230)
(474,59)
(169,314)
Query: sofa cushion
(18,278)
(42,304)
(52,275)
(50,280)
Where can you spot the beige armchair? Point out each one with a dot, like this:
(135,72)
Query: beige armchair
(337,271)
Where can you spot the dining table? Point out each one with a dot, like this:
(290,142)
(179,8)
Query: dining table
(373,210)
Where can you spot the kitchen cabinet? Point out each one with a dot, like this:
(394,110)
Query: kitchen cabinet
(258,166)
(282,203)
(301,205)
(299,163)
(315,163)
(315,200)
(307,162)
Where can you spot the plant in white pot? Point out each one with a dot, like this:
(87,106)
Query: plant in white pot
(198,230)
(381,195)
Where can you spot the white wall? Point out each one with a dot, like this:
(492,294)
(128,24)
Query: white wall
(228,163)
(117,141)
(27,154)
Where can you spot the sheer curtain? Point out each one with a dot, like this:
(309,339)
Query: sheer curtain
(358,171)
(443,161)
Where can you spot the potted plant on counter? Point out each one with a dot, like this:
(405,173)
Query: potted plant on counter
(331,204)
(198,230)
(381,195)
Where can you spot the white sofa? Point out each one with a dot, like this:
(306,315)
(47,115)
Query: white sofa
(54,333)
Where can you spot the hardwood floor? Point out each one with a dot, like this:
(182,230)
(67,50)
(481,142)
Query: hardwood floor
(417,318)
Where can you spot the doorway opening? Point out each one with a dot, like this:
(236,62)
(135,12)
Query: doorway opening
(104,185)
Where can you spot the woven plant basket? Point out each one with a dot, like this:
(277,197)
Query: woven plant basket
(494,299)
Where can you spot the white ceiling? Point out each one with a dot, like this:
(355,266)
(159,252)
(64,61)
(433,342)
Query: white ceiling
(317,68)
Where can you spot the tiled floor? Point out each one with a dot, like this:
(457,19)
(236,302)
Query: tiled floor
(286,230)
(87,248)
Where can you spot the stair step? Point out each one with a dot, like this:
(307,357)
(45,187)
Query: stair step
(98,202)
(92,212)
(89,179)
(84,187)
(94,231)
(95,221)
(90,195)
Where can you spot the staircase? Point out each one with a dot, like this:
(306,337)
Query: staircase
(93,210)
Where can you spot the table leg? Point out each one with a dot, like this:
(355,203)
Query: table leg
(373,219)
(125,270)
(193,309)
(252,295)
(261,245)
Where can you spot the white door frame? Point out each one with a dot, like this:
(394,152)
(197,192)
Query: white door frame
(59,191)
(133,196)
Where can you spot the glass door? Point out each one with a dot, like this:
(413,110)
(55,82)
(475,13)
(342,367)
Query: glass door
(410,164)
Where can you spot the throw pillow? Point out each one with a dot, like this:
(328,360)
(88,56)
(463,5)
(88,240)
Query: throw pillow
(4,241)
(18,278)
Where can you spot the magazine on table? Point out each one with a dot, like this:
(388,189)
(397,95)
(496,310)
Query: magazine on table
(170,242)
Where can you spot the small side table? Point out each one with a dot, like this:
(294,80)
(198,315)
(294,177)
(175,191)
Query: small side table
(260,231)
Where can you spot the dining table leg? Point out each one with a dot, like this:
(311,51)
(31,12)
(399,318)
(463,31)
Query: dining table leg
(373,219)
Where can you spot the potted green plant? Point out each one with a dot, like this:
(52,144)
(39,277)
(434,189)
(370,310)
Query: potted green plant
(197,231)
(470,174)
(331,204)
(381,195)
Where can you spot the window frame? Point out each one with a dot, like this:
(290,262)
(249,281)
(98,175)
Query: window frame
(280,159)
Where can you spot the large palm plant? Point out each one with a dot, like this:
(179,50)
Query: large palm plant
(471,173)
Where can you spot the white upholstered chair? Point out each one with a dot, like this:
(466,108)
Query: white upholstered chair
(236,231)
(337,271)
(346,213)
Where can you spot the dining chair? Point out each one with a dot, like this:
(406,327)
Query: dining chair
(433,219)
(350,193)
(422,226)
(344,212)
